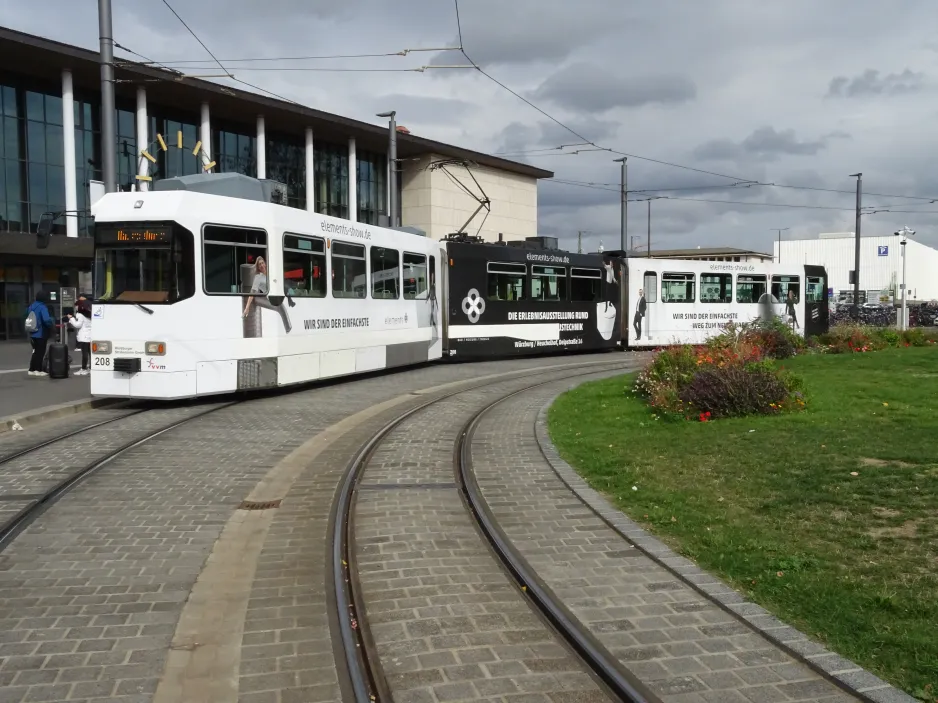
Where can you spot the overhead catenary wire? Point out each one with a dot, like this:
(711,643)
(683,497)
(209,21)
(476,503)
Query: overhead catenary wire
(189,29)
(869,210)
(742,181)
(326,57)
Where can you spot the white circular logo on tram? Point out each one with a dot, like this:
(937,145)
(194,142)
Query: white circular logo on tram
(473,305)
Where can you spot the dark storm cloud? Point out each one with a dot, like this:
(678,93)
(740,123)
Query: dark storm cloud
(590,86)
(707,76)
(530,31)
(764,144)
(870,82)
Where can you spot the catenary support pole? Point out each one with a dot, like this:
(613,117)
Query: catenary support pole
(624,209)
(856,262)
(108,113)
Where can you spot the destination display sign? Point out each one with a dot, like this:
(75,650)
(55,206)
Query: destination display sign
(133,234)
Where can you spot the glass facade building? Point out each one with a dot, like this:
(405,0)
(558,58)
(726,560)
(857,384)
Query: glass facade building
(35,174)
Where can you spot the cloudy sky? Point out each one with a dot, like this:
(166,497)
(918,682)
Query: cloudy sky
(799,93)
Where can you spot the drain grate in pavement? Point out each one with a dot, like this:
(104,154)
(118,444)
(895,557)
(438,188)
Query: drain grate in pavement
(259,505)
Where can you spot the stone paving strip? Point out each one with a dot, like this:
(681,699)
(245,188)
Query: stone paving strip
(447,621)
(684,645)
(91,593)
(36,472)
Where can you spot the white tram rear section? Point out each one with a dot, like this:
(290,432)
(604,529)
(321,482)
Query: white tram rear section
(671,301)
(199,294)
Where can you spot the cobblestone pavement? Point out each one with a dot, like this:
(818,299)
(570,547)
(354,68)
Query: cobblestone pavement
(14,441)
(92,592)
(447,622)
(685,647)
(37,471)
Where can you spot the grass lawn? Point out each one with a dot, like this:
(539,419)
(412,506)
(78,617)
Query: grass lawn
(770,503)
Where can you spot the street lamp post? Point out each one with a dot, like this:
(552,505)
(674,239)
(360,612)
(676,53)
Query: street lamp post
(392,168)
(780,230)
(905,232)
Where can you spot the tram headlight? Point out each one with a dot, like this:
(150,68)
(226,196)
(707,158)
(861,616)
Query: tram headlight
(155,348)
(100,347)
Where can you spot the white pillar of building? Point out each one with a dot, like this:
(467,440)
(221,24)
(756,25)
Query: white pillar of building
(261,148)
(352,182)
(71,177)
(310,172)
(143,138)
(205,135)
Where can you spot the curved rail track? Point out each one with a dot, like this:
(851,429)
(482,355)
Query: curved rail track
(35,506)
(359,657)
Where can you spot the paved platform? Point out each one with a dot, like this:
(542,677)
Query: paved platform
(146,583)
(20,393)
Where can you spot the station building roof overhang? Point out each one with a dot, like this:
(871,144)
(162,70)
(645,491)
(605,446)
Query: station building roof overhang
(45,59)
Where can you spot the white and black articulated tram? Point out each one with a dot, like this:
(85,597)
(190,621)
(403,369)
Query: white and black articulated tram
(205,286)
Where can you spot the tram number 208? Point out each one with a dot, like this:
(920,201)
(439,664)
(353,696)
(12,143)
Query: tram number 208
(102,361)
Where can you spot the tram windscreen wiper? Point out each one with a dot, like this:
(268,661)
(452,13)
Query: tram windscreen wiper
(144,308)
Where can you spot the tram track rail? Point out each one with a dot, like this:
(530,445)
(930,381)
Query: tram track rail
(359,657)
(36,505)
(17,453)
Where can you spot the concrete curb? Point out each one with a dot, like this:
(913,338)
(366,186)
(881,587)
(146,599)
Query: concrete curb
(53,412)
(846,674)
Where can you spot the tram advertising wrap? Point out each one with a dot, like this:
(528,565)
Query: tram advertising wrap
(506,300)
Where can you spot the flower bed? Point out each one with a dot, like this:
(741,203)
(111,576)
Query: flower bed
(853,339)
(733,375)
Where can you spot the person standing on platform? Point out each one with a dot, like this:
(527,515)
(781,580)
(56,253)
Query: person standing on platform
(39,325)
(81,322)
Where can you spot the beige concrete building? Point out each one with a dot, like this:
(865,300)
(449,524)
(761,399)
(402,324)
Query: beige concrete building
(434,198)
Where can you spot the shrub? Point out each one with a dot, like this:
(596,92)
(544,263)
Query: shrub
(734,391)
(730,376)
(773,338)
(913,337)
(848,339)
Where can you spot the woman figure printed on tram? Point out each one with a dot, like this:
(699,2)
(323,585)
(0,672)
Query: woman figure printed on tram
(258,294)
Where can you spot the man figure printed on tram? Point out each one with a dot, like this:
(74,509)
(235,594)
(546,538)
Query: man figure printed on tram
(258,295)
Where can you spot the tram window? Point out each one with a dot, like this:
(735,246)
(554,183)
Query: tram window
(716,288)
(385,274)
(678,288)
(304,266)
(651,287)
(235,260)
(781,285)
(506,281)
(814,291)
(585,285)
(548,283)
(750,289)
(151,271)
(349,270)
(415,276)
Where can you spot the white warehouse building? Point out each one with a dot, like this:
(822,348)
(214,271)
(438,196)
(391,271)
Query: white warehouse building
(880,265)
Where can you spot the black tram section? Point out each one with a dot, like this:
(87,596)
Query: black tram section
(528,297)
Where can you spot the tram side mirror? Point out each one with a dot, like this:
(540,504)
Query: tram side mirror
(44,230)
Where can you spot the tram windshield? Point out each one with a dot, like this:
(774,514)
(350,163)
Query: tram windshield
(143,263)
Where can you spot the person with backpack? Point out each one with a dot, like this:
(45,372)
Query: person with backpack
(39,326)
(81,322)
